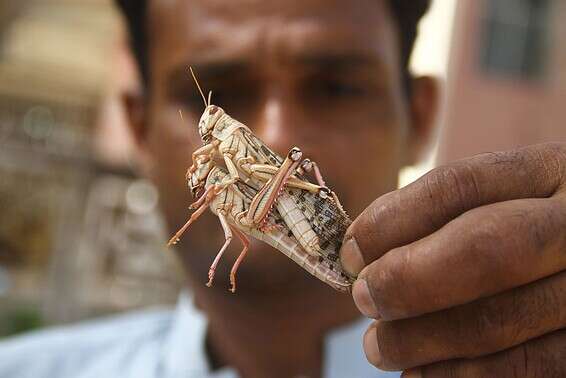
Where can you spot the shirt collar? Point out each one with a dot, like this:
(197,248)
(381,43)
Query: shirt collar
(185,354)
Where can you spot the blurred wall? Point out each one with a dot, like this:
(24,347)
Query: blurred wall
(430,58)
(506,81)
(80,234)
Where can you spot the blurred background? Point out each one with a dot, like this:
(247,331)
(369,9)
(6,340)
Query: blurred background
(80,233)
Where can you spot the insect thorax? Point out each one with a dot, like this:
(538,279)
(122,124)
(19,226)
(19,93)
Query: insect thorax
(225,127)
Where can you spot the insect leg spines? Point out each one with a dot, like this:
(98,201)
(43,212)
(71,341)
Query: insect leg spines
(265,198)
(264,172)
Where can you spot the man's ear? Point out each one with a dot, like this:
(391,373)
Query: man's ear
(423,107)
(136,118)
(134,106)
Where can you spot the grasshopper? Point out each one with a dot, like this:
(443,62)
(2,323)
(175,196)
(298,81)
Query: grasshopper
(313,213)
(229,199)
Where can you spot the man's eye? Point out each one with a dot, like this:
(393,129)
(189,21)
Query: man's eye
(221,96)
(193,100)
(233,98)
(335,89)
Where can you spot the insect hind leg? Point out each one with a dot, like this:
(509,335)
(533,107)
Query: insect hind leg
(233,271)
(228,237)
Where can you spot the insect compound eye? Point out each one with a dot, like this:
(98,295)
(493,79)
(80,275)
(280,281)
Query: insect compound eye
(213,109)
(295,154)
(324,192)
(306,165)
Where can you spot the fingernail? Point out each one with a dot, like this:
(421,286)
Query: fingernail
(363,299)
(371,347)
(351,257)
(412,373)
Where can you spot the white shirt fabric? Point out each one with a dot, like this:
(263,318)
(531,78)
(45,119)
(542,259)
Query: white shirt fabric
(157,343)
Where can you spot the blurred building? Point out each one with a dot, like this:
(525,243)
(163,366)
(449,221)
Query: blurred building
(506,80)
(80,234)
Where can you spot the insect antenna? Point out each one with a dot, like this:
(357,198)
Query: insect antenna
(209,97)
(198,86)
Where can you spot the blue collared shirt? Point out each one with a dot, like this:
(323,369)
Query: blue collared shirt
(157,343)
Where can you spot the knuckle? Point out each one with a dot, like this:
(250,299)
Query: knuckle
(483,328)
(550,160)
(453,187)
(390,279)
(448,369)
(373,215)
(543,357)
(486,242)
(496,323)
(554,147)
(364,226)
(489,331)
(552,225)
(505,160)
(391,356)
(528,360)
(397,348)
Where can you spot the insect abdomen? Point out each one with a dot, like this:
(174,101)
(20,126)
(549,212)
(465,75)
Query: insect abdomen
(318,267)
(298,223)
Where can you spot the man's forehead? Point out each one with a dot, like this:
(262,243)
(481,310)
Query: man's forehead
(212,30)
(240,9)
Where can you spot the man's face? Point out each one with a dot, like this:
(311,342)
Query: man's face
(323,75)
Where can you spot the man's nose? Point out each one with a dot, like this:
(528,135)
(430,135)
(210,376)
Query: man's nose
(275,123)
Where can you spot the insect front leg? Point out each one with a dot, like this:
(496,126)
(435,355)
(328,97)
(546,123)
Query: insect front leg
(231,166)
(207,149)
(218,188)
(308,165)
(202,198)
(210,195)
(243,164)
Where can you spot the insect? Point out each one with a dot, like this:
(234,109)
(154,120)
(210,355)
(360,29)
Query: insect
(229,199)
(312,213)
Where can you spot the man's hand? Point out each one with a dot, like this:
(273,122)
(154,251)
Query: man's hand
(465,269)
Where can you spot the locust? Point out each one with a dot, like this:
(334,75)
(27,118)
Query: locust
(229,199)
(312,213)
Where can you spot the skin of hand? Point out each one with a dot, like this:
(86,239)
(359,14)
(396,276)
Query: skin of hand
(465,269)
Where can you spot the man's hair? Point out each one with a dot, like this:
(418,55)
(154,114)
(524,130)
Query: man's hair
(406,13)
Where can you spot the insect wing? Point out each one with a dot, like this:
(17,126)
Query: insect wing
(327,219)
(266,154)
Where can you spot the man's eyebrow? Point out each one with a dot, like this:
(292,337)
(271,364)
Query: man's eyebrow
(337,61)
(211,71)
(206,71)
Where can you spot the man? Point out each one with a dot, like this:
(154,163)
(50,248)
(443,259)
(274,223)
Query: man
(461,268)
